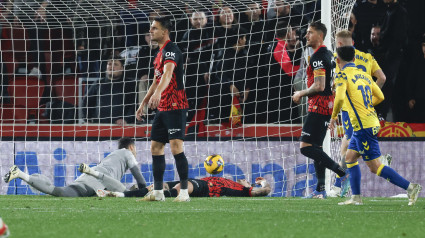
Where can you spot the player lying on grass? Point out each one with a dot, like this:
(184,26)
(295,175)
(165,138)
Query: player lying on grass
(359,88)
(204,187)
(107,174)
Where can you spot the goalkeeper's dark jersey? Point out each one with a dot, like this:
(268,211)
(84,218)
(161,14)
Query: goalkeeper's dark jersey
(174,96)
(219,187)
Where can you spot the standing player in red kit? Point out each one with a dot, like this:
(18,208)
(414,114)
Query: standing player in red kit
(320,105)
(168,95)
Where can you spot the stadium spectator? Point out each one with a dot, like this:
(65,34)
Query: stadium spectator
(107,174)
(374,40)
(368,13)
(416,87)
(284,13)
(135,21)
(392,42)
(204,187)
(281,64)
(196,46)
(225,25)
(111,99)
(252,20)
(31,14)
(145,72)
(234,77)
(91,36)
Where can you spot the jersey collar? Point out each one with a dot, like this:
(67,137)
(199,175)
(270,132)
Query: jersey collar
(351,64)
(164,45)
(319,48)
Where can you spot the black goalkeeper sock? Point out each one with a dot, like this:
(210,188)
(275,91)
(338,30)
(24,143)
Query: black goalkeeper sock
(316,153)
(170,193)
(158,167)
(136,193)
(182,169)
(320,175)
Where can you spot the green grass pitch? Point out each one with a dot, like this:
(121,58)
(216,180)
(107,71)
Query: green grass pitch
(46,216)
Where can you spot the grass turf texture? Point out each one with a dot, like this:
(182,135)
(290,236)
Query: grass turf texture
(46,216)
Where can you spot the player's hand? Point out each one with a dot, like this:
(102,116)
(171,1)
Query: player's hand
(258,180)
(140,111)
(332,124)
(412,103)
(297,97)
(134,187)
(121,122)
(154,101)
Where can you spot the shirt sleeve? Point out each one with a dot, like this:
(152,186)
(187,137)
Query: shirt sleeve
(318,66)
(341,87)
(172,55)
(375,65)
(131,160)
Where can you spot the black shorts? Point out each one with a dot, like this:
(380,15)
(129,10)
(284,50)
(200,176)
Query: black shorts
(169,125)
(200,188)
(314,128)
(229,192)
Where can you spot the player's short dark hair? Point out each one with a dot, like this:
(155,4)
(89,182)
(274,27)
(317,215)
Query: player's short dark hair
(117,58)
(281,29)
(318,26)
(165,22)
(346,53)
(234,34)
(125,142)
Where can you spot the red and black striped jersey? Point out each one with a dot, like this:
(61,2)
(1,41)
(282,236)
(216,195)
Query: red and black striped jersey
(321,64)
(174,96)
(219,186)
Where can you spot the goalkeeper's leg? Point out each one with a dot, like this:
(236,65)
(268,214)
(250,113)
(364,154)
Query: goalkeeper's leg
(110,183)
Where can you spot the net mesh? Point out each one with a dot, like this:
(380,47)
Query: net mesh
(65,101)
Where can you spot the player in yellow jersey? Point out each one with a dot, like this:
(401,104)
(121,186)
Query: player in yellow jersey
(359,89)
(366,63)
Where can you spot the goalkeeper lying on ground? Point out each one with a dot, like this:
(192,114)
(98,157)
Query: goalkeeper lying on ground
(204,187)
(107,174)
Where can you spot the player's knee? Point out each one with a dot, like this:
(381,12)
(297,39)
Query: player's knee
(373,169)
(176,147)
(157,149)
(307,151)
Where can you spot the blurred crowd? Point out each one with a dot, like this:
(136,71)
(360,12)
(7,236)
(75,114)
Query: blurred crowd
(247,53)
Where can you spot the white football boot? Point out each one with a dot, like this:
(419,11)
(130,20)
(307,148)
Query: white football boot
(413,193)
(354,200)
(12,174)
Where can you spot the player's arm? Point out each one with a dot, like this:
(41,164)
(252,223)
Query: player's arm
(141,182)
(163,84)
(152,88)
(380,77)
(262,191)
(317,87)
(377,95)
(341,88)
(377,72)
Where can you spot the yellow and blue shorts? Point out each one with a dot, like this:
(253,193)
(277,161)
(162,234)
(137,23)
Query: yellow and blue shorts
(365,142)
(346,123)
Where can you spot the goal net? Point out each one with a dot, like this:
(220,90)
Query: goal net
(73,73)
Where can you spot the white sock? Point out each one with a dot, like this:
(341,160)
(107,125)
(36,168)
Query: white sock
(119,194)
(24,176)
(158,193)
(410,187)
(184,192)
